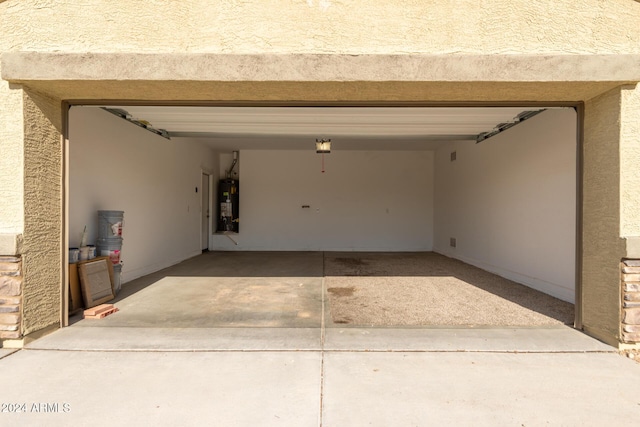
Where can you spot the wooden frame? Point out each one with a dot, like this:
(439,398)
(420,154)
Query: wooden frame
(75,293)
(96,280)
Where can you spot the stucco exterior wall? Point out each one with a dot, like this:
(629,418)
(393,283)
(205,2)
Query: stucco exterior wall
(629,162)
(602,246)
(327,26)
(11,160)
(42,252)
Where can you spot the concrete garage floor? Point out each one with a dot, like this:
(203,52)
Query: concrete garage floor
(226,289)
(247,339)
(306,289)
(428,289)
(314,300)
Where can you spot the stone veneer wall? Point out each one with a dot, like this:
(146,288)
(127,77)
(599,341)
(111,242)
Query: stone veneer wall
(630,300)
(10,297)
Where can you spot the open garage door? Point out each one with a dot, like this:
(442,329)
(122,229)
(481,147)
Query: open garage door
(494,187)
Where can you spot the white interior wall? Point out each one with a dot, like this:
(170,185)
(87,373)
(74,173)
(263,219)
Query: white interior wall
(366,200)
(510,202)
(115,165)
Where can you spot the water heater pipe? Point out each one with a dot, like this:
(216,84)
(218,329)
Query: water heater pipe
(233,165)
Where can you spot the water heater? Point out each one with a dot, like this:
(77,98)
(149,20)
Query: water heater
(228,210)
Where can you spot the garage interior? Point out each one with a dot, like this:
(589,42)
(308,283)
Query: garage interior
(419,216)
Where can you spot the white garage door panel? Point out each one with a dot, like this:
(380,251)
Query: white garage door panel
(366,200)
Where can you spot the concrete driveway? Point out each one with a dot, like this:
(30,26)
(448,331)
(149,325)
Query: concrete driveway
(321,377)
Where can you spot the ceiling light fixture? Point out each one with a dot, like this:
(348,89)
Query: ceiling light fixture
(323,146)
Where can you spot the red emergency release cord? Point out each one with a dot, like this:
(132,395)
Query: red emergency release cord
(322,162)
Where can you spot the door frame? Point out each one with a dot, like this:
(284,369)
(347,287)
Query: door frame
(209,174)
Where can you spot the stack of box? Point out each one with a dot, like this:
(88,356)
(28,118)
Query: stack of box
(109,241)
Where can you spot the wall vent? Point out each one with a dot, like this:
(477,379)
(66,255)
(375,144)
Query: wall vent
(453,156)
(452,242)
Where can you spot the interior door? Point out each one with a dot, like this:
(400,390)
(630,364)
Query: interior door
(205,212)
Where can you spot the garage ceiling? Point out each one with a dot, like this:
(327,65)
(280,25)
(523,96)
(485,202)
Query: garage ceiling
(349,128)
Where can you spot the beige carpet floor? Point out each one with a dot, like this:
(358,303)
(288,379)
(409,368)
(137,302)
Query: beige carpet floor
(428,289)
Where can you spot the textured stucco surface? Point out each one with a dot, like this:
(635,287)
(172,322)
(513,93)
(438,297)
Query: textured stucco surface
(602,246)
(333,26)
(27,66)
(312,77)
(42,252)
(325,92)
(630,162)
(11,160)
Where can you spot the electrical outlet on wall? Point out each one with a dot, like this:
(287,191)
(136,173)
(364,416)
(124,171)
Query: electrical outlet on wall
(452,242)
